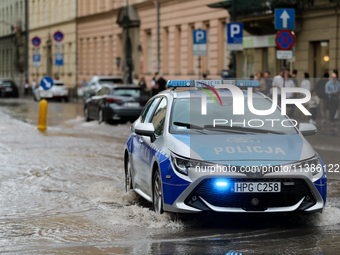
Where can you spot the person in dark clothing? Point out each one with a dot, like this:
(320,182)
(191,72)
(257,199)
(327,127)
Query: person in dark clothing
(161,84)
(320,91)
(268,82)
(142,83)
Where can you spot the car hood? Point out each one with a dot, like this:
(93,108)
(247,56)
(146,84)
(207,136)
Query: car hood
(257,149)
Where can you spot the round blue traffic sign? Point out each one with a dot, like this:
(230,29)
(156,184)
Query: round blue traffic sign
(46,83)
(58,36)
(36,41)
(285,40)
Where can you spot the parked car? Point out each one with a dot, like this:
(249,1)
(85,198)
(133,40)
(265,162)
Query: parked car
(8,89)
(58,91)
(97,82)
(179,160)
(112,102)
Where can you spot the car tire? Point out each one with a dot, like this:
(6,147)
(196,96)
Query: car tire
(86,114)
(157,196)
(128,177)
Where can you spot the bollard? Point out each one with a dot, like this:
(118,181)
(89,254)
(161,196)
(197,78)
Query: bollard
(42,115)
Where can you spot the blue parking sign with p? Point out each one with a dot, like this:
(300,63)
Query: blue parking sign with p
(235,32)
(200,36)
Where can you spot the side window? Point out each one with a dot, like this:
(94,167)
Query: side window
(158,118)
(105,91)
(99,92)
(148,110)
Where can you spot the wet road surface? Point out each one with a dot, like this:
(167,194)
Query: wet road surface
(61,192)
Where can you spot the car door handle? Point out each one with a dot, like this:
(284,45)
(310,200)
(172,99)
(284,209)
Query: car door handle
(140,140)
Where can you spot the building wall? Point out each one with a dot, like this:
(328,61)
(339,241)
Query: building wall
(97,19)
(47,17)
(12,12)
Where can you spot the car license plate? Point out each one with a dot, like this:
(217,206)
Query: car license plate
(46,94)
(257,187)
(8,89)
(132,104)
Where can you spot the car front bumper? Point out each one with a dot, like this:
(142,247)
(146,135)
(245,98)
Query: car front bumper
(201,196)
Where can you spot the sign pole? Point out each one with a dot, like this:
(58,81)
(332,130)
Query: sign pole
(199,67)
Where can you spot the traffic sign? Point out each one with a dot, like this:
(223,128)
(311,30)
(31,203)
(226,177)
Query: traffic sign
(200,42)
(285,40)
(235,36)
(58,36)
(59,59)
(36,41)
(284,54)
(46,83)
(284,19)
(36,60)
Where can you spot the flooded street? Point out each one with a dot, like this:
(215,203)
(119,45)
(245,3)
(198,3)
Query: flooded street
(62,192)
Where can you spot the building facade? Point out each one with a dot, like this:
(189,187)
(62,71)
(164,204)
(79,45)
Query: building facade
(103,47)
(45,18)
(316,31)
(13,41)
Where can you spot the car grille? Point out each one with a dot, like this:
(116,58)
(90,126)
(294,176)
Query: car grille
(289,195)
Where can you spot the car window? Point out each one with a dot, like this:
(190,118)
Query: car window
(129,92)
(111,81)
(158,118)
(105,91)
(98,93)
(148,109)
(6,84)
(91,82)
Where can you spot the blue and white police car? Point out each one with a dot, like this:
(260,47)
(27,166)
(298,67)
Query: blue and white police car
(206,147)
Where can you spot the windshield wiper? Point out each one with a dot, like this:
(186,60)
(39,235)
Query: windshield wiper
(243,129)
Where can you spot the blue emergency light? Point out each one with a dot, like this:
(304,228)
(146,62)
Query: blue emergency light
(213,83)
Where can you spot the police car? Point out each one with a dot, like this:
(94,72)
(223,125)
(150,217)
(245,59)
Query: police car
(206,147)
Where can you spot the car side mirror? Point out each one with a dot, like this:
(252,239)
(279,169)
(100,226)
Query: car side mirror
(307,129)
(146,129)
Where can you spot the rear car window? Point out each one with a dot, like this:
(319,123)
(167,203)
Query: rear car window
(111,81)
(133,92)
(6,84)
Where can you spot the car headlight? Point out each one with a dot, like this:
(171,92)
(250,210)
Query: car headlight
(313,165)
(182,165)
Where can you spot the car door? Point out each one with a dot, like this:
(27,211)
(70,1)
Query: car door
(138,157)
(91,105)
(157,119)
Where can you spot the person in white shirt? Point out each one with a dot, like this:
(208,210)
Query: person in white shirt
(278,83)
(33,84)
(305,82)
(313,104)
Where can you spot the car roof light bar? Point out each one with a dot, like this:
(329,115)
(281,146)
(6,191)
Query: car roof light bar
(218,84)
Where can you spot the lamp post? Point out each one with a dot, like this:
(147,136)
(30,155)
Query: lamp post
(127,47)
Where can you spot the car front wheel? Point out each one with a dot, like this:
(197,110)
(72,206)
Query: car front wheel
(128,178)
(157,193)
(86,114)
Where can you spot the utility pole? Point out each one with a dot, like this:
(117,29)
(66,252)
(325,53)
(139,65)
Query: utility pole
(158,39)
(127,47)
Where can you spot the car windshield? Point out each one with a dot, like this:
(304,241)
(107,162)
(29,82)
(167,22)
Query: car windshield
(6,84)
(186,116)
(111,81)
(129,92)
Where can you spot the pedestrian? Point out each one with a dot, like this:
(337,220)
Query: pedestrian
(320,91)
(332,89)
(262,82)
(161,83)
(154,86)
(205,76)
(142,83)
(289,83)
(313,104)
(294,77)
(26,87)
(33,85)
(268,82)
(251,77)
(278,83)
(336,117)
(306,82)
(136,80)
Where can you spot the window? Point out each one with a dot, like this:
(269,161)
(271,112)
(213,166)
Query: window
(158,118)
(148,110)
